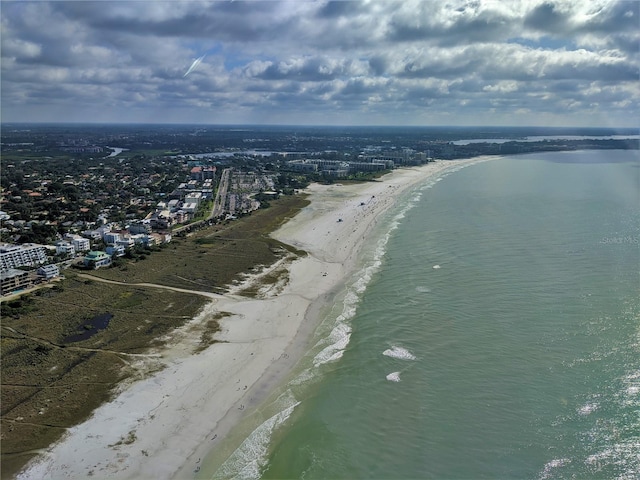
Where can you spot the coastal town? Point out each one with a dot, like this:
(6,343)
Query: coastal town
(111,254)
(68,199)
(89,210)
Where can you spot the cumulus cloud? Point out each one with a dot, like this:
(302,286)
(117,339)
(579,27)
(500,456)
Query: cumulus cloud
(415,61)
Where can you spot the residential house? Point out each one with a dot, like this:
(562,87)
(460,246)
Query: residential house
(97,259)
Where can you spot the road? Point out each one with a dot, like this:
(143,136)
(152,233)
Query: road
(221,196)
(218,204)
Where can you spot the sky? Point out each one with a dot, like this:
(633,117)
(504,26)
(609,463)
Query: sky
(405,62)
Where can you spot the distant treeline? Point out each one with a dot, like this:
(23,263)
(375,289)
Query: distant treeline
(212,138)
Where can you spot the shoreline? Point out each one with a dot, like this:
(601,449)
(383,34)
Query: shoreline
(163,426)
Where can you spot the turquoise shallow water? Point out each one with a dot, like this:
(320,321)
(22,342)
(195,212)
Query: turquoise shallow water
(493,332)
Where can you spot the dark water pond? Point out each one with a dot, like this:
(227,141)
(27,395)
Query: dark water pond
(90,328)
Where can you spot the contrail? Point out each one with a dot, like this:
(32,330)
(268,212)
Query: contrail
(194,65)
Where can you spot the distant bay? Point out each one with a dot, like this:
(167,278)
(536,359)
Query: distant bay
(542,138)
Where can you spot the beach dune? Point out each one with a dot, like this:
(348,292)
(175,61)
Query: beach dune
(164,425)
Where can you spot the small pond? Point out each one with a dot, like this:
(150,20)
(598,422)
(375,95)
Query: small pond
(90,328)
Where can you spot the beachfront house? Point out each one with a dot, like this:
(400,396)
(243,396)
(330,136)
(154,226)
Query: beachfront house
(97,259)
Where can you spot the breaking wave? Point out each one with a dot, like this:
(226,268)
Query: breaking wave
(399,353)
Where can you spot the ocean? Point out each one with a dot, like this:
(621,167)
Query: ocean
(492,331)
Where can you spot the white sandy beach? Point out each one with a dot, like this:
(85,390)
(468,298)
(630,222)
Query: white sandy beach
(163,425)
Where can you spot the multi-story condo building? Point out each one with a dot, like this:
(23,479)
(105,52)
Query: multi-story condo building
(28,255)
(65,248)
(194,197)
(81,244)
(201,173)
(12,280)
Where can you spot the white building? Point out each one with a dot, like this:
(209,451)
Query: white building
(195,197)
(190,207)
(49,271)
(28,255)
(81,244)
(65,248)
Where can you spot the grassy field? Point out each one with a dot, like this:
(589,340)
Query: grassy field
(59,363)
(212,258)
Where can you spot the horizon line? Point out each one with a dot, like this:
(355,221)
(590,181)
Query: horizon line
(316,125)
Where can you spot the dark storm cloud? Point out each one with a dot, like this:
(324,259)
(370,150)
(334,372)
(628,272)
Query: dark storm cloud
(336,9)
(239,21)
(615,18)
(487,26)
(378,65)
(547,18)
(622,16)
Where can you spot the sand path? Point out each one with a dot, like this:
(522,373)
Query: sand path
(152,285)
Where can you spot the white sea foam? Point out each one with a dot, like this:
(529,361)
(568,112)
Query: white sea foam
(340,335)
(399,353)
(599,458)
(303,377)
(422,289)
(394,377)
(553,464)
(250,457)
(339,339)
(632,384)
(588,408)
(361,285)
(623,455)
